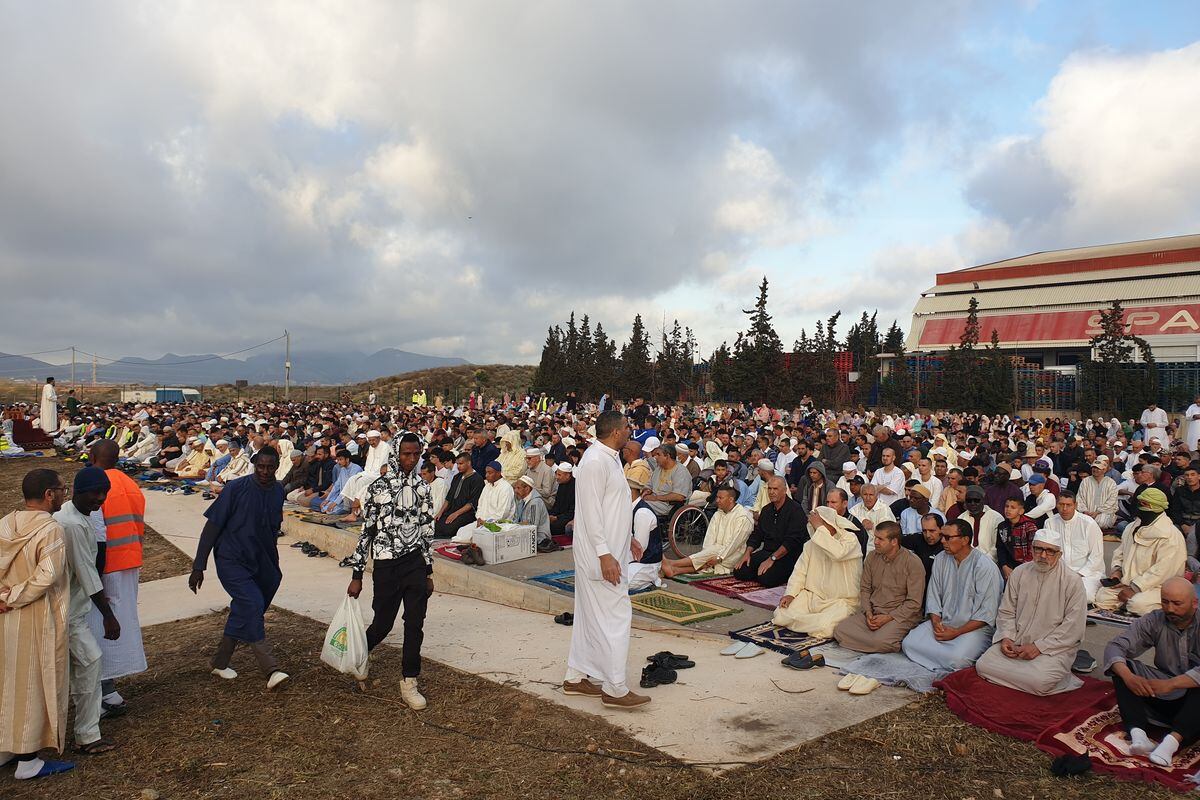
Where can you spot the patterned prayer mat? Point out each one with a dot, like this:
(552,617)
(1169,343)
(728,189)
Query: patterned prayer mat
(765,598)
(727,586)
(1110,617)
(677,608)
(565,580)
(1099,734)
(691,577)
(781,640)
(449,551)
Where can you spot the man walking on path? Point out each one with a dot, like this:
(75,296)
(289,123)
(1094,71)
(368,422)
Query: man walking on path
(241,532)
(603,523)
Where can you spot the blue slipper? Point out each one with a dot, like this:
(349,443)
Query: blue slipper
(52,768)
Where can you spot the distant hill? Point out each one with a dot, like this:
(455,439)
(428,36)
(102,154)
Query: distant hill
(451,382)
(308,367)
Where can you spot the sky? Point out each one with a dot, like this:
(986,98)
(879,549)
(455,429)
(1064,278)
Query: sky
(452,178)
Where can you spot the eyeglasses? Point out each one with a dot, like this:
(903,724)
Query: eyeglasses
(1044,551)
(946,536)
(63,489)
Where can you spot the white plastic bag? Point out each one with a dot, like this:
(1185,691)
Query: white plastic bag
(345,647)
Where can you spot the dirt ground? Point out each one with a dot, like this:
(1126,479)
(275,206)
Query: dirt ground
(190,735)
(160,559)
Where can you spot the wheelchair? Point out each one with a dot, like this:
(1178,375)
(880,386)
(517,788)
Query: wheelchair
(686,525)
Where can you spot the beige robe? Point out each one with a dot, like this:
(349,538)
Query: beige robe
(1148,556)
(896,588)
(725,540)
(825,581)
(34,634)
(1048,610)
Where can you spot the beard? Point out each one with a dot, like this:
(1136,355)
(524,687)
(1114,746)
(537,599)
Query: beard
(1042,567)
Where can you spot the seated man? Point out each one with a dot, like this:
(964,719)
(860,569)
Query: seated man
(890,596)
(926,544)
(218,454)
(1152,549)
(318,477)
(195,465)
(1097,496)
(496,502)
(335,501)
(530,510)
(1014,537)
(1039,624)
(918,506)
(239,466)
(646,545)
(461,500)
(724,541)
(562,511)
(961,601)
(870,512)
(823,588)
(670,483)
(777,540)
(1082,543)
(1169,691)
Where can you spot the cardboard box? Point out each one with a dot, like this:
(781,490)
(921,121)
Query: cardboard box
(511,543)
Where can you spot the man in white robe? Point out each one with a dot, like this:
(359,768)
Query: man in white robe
(1082,543)
(1152,550)
(1039,624)
(596,663)
(871,511)
(961,600)
(355,490)
(1154,424)
(496,502)
(724,539)
(1191,418)
(983,520)
(1097,496)
(541,474)
(48,412)
(643,575)
(823,589)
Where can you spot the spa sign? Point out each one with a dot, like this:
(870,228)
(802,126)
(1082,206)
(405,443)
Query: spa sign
(1065,326)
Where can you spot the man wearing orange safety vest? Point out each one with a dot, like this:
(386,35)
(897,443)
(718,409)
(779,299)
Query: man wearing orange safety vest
(119,528)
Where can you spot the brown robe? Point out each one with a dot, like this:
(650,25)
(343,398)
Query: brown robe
(895,587)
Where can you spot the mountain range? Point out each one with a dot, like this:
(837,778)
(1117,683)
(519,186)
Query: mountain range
(308,367)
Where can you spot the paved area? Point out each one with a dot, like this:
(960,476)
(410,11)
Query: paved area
(722,710)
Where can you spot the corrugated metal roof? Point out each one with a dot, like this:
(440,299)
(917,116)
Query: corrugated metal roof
(1097,295)
(1097,251)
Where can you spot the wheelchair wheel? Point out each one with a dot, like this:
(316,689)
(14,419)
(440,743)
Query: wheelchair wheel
(686,531)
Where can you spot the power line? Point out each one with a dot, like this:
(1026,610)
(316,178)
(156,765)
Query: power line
(38,353)
(112,361)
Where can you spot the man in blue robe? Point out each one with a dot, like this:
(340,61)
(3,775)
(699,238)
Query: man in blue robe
(241,532)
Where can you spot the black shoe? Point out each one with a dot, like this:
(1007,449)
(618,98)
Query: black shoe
(671,661)
(548,547)
(565,618)
(657,675)
(297,545)
(804,660)
(1084,662)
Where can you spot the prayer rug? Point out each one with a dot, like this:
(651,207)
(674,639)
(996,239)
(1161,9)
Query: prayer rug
(1111,617)
(449,551)
(781,640)
(1015,713)
(765,598)
(1099,734)
(677,608)
(565,580)
(691,577)
(563,541)
(727,586)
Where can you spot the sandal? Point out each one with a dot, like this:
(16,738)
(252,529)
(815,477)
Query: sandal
(657,675)
(97,747)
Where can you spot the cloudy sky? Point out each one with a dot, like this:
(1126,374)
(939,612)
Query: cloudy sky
(450,178)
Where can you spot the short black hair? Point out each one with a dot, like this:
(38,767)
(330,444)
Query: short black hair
(410,438)
(964,527)
(731,490)
(37,482)
(608,422)
(266,452)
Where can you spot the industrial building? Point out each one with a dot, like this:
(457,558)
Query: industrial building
(1046,306)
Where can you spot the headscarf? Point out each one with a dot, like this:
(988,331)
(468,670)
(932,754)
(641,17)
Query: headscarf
(512,457)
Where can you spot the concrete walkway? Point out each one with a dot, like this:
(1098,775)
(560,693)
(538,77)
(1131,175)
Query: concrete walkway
(722,710)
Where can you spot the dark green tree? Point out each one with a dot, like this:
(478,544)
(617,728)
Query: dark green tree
(636,368)
(1112,381)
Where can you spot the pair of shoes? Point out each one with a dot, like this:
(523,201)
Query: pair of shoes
(582,687)
(741,649)
(474,556)
(565,618)
(315,553)
(628,700)
(548,546)
(803,660)
(210,496)
(655,674)
(858,684)
(1084,662)
(411,695)
(298,545)
(671,660)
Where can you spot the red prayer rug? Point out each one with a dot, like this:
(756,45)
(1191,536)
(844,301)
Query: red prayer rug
(727,586)
(449,551)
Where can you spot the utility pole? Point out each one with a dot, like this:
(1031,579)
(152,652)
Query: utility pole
(93,369)
(72,366)
(287,365)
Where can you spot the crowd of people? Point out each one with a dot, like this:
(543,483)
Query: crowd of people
(957,540)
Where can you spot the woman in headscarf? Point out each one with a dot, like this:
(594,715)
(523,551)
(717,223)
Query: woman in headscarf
(512,457)
(942,447)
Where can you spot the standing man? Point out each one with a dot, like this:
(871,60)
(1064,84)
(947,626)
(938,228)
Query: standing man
(1154,424)
(603,614)
(91,487)
(243,524)
(1192,421)
(396,534)
(122,528)
(33,629)
(48,413)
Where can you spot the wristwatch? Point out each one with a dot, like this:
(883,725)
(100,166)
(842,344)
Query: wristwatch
(772,557)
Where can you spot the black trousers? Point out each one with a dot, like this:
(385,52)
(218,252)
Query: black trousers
(400,581)
(558,527)
(447,530)
(776,575)
(1183,714)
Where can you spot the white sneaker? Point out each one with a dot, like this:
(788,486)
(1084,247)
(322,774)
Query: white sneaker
(411,696)
(276,679)
(227,673)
